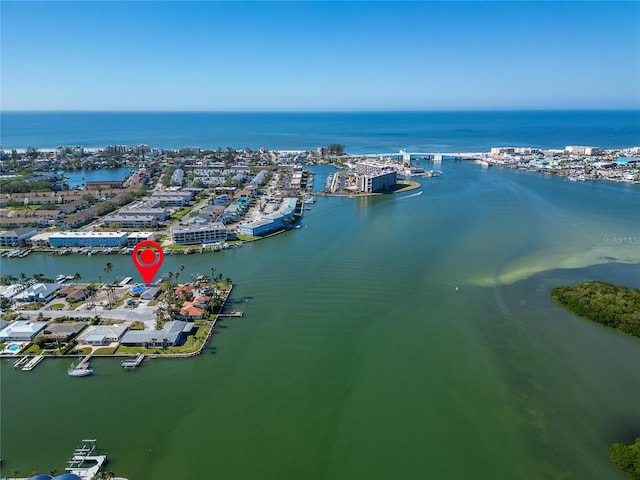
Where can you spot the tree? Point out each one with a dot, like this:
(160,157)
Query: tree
(90,292)
(7,279)
(627,458)
(77,276)
(32,152)
(108,267)
(336,149)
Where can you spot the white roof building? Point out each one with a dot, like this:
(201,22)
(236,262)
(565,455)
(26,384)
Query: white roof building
(102,334)
(38,292)
(21,331)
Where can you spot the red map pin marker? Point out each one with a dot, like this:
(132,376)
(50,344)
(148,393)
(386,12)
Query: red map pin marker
(147,257)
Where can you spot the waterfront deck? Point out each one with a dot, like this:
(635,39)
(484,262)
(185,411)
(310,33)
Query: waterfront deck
(33,363)
(84,463)
(132,363)
(22,361)
(238,313)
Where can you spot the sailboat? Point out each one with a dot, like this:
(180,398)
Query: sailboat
(81,370)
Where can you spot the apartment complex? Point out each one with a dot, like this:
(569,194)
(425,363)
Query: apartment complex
(199,234)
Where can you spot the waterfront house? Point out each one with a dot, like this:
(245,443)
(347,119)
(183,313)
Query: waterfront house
(185,292)
(72,293)
(102,334)
(172,333)
(38,292)
(10,291)
(64,331)
(21,331)
(190,312)
(151,293)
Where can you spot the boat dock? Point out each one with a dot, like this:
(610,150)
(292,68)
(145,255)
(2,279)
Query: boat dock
(237,313)
(82,463)
(131,363)
(84,363)
(21,361)
(32,363)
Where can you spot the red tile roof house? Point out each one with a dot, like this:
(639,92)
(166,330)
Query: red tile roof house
(190,312)
(72,293)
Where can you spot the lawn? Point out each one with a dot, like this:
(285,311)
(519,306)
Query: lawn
(105,351)
(190,346)
(33,350)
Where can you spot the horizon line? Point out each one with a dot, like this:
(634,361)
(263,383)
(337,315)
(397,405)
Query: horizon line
(443,110)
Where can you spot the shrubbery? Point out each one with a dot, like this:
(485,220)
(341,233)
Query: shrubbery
(627,458)
(612,305)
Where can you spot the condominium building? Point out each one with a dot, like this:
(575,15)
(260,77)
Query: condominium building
(135,238)
(178,199)
(88,239)
(373,168)
(198,234)
(130,221)
(376,182)
(270,222)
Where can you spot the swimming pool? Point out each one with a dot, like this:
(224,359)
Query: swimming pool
(13,347)
(138,290)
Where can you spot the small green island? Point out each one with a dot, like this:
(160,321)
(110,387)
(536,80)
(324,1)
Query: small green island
(618,307)
(627,458)
(615,306)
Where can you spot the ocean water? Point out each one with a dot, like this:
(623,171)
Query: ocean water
(360,132)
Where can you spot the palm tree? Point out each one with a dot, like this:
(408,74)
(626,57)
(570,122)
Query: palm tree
(8,279)
(108,267)
(77,276)
(15,473)
(227,281)
(23,277)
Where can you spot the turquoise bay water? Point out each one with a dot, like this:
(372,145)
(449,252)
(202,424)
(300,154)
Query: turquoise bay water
(391,337)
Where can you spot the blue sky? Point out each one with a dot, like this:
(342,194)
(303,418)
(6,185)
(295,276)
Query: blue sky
(319,56)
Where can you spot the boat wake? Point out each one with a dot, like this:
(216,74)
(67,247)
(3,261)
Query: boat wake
(412,195)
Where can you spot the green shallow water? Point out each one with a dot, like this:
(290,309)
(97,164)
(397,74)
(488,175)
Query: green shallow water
(357,356)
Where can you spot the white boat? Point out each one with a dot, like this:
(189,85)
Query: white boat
(82,370)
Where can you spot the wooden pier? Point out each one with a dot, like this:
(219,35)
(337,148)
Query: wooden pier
(84,363)
(21,361)
(131,363)
(33,363)
(238,313)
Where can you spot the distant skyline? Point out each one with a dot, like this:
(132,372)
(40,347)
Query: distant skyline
(315,56)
